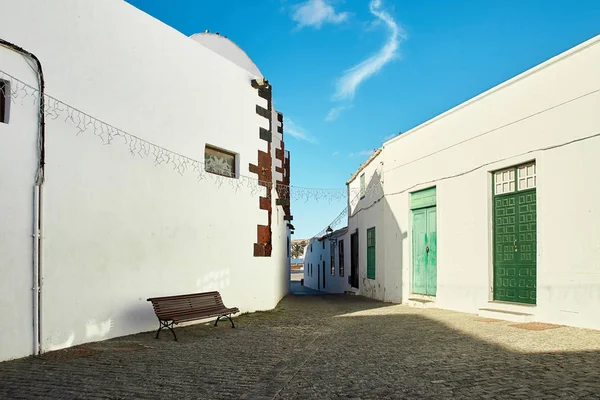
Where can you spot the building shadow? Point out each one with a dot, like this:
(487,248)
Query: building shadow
(334,346)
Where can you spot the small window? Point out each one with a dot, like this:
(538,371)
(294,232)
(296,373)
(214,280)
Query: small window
(362,185)
(341,257)
(371,253)
(527,178)
(323,244)
(514,179)
(4,100)
(219,162)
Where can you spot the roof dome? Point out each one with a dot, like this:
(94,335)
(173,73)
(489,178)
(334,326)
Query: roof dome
(228,49)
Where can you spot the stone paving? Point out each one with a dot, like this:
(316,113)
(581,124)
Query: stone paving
(324,347)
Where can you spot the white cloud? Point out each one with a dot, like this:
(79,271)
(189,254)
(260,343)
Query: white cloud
(388,137)
(334,113)
(294,130)
(362,153)
(317,12)
(353,77)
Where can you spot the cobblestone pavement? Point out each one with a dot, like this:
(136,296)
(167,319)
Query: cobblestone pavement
(323,347)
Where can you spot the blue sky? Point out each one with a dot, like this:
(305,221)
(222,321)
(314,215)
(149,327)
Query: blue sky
(347,74)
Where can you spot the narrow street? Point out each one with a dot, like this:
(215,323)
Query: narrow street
(321,347)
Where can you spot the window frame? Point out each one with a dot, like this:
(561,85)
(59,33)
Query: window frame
(514,178)
(341,258)
(371,244)
(4,101)
(363,185)
(217,149)
(332,258)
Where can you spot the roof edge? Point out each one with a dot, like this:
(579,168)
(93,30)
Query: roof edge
(364,165)
(545,64)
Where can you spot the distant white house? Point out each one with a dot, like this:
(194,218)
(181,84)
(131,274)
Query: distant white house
(325,266)
(492,207)
(159,169)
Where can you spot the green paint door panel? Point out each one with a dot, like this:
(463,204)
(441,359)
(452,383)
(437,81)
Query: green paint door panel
(515,244)
(424,232)
(431,251)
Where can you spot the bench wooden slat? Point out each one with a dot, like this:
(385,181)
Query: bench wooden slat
(187,307)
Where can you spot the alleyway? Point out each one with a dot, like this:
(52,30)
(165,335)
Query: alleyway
(320,347)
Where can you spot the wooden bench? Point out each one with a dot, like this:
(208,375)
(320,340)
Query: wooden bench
(171,310)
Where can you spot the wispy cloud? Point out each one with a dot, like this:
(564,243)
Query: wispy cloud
(315,13)
(362,153)
(353,77)
(294,130)
(334,113)
(388,137)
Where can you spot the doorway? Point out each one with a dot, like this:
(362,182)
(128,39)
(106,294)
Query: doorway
(324,274)
(515,237)
(424,242)
(354,260)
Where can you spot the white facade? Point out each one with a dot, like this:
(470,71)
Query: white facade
(548,116)
(318,261)
(116,229)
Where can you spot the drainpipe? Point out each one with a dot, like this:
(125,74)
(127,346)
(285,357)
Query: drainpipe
(37,268)
(37,202)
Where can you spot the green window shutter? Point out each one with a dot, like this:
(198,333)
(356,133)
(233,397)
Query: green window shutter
(371,253)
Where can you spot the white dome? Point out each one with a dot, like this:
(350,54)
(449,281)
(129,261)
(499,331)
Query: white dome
(228,49)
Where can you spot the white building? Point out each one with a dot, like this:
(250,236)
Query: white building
(325,265)
(109,202)
(492,207)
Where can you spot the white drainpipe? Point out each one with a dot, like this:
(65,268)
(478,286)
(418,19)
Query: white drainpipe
(37,268)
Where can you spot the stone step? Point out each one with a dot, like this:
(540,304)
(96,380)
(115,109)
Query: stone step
(420,303)
(506,315)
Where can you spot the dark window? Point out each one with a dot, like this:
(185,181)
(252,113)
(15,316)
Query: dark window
(341,257)
(4,98)
(363,188)
(219,162)
(323,244)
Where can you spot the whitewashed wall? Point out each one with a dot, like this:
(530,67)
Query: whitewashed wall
(18,165)
(117,228)
(281,235)
(314,254)
(333,283)
(371,211)
(337,283)
(552,104)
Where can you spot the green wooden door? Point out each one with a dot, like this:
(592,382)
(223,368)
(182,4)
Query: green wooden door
(515,247)
(424,230)
(431,251)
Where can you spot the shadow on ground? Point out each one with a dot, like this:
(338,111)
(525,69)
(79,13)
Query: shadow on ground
(323,346)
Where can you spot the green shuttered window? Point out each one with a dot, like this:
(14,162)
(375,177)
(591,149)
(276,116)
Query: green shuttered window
(371,253)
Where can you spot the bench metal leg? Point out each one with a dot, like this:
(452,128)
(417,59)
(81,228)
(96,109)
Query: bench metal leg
(165,324)
(225,316)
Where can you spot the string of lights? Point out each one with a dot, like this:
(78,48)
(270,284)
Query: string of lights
(372,192)
(55,109)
